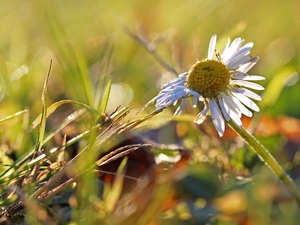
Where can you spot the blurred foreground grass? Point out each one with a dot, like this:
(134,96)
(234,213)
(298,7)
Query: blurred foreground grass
(208,181)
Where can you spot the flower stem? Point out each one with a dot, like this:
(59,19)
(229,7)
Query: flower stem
(269,160)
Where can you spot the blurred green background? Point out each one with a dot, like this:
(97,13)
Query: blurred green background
(78,36)
(87,43)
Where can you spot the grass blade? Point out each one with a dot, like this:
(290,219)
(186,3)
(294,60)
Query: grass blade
(44,113)
(55,105)
(105,97)
(10,117)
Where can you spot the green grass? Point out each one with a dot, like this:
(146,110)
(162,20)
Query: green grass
(103,61)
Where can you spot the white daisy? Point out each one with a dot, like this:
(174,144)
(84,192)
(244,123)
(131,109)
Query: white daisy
(221,82)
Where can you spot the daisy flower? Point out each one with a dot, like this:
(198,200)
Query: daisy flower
(221,82)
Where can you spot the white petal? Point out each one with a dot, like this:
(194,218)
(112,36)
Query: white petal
(173,89)
(236,119)
(183,74)
(241,107)
(225,51)
(202,115)
(247,92)
(247,101)
(231,113)
(194,101)
(247,66)
(235,65)
(236,44)
(247,84)
(191,92)
(169,98)
(181,107)
(245,50)
(217,117)
(212,46)
(223,109)
(232,105)
(180,80)
(243,76)
(201,98)
(248,45)
(162,96)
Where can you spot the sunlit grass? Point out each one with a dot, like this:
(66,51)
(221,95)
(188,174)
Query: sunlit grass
(58,148)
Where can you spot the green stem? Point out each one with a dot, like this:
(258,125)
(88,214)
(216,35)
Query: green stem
(269,160)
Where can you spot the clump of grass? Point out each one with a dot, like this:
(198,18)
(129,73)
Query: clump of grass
(64,161)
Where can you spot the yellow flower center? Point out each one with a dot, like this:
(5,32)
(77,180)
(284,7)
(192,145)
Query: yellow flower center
(208,77)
